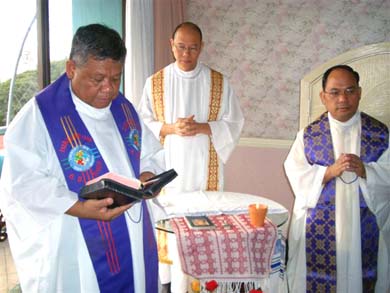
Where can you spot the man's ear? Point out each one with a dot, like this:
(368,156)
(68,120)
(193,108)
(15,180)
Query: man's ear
(322,97)
(70,67)
(360,92)
(171,43)
(201,47)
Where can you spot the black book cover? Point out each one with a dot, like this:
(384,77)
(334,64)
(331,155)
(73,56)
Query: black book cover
(124,194)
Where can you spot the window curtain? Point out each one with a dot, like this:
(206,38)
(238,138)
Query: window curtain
(167,15)
(139,42)
(149,26)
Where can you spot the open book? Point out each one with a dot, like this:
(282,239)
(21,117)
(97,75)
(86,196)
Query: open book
(125,190)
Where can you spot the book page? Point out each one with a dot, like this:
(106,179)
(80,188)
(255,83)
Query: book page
(132,182)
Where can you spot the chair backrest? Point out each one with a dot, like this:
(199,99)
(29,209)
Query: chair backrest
(372,62)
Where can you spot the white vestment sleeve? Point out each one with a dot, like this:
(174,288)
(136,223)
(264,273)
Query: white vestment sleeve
(305,179)
(31,192)
(225,132)
(376,192)
(152,153)
(146,112)
(376,189)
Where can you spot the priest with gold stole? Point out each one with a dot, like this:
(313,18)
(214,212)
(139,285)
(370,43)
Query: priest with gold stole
(193,110)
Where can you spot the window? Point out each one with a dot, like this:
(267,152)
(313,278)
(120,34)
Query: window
(20,71)
(60,24)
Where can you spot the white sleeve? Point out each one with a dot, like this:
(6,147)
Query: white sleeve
(33,188)
(152,153)
(145,110)
(305,179)
(226,131)
(376,189)
(376,192)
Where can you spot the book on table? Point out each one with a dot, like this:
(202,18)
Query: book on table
(125,190)
(199,222)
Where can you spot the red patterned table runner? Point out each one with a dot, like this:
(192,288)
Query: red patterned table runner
(233,251)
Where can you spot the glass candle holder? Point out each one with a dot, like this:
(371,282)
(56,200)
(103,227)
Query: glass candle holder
(257,214)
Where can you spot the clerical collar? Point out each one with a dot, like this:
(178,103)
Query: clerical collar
(92,112)
(346,124)
(188,74)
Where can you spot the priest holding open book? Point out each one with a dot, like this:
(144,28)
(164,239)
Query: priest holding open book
(77,129)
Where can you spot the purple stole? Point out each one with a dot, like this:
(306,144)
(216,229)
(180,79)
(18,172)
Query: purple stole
(320,222)
(108,242)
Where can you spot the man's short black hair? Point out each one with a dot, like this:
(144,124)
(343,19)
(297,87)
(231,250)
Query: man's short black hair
(99,42)
(190,25)
(341,66)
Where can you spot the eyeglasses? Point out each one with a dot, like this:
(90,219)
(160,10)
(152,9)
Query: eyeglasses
(181,49)
(335,93)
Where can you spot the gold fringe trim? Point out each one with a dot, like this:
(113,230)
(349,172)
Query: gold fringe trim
(162,247)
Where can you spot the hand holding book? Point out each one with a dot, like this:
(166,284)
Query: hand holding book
(125,190)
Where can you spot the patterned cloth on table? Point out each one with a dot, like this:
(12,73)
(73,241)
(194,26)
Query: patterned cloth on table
(233,253)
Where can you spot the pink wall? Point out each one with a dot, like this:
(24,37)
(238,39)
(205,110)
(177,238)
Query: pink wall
(259,171)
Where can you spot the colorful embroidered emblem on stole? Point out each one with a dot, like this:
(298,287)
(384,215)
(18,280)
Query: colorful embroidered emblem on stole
(81,161)
(214,108)
(320,223)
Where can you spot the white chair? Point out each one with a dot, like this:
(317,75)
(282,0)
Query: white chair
(372,62)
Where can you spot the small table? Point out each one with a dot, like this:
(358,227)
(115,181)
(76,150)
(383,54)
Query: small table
(228,203)
(278,219)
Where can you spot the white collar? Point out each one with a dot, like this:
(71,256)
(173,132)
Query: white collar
(344,125)
(92,112)
(188,74)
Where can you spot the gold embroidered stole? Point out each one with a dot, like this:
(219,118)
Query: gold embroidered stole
(214,108)
(158,97)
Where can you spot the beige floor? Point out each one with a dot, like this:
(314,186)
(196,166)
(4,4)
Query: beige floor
(8,276)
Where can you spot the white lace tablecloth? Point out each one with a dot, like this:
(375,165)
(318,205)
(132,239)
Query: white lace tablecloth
(212,202)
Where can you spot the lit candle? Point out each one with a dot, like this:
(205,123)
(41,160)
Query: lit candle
(257,214)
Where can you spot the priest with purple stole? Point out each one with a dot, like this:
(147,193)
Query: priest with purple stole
(77,129)
(339,170)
